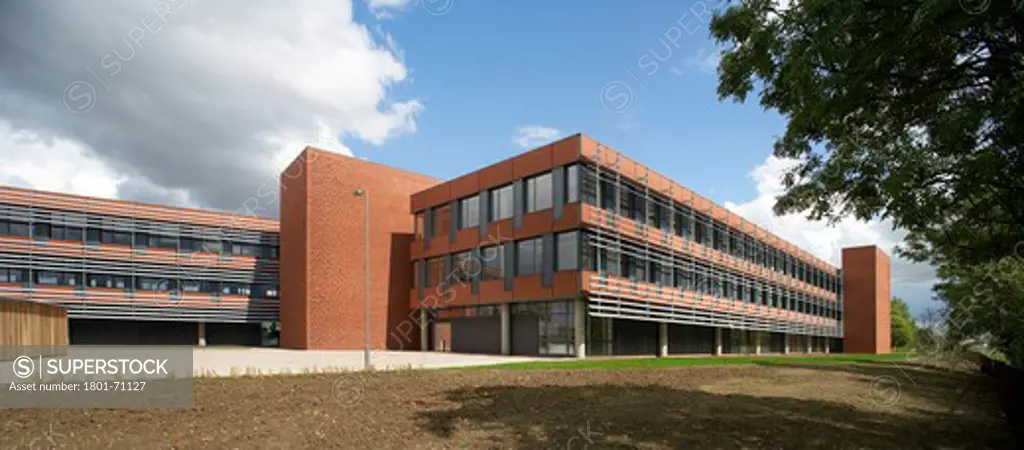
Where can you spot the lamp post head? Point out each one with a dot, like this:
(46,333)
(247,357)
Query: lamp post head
(358,192)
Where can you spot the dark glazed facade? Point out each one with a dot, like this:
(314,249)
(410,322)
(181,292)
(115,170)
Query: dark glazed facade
(129,272)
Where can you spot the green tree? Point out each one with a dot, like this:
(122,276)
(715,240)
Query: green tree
(906,110)
(902,327)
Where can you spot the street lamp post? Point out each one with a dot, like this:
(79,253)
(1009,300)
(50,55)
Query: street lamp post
(366,251)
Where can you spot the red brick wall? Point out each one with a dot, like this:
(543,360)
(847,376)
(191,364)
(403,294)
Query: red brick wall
(866,300)
(293,252)
(326,233)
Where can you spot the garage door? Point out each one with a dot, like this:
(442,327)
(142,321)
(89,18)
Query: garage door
(525,334)
(476,335)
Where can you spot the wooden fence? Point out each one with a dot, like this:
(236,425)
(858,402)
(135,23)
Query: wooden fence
(24,323)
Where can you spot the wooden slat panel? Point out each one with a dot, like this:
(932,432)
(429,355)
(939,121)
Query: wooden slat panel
(29,323)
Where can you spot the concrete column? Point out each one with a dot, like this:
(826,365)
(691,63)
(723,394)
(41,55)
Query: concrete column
(202,334)
(663,339)
(580,316)
(808,339)
(424,330)
(826,346)
(757,342)
(506,329)
(718,341)
(785,344)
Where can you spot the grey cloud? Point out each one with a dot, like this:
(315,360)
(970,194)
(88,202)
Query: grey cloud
(180,97)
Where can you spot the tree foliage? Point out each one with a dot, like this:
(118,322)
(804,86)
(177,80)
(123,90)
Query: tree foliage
(902,326)
(910,110)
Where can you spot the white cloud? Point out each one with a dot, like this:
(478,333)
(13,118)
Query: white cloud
(705,60)
(533,136)
(385,9)
(781,6)
(818,238)
(186,101)
(69,167)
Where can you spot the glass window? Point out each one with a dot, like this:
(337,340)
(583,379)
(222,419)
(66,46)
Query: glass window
(211,246)
(572,183)
(18,229)
(190,244)
(501,203)
(633,268)
(48,277)
(246,249)
(663,216)
(17,275)
(538,193)
(567,251)
(41,230)
(608,196)
(212,287)
(717,237)
(116,237)
(635,206)
(493,262)
(701,230)
(157,241)
(736,243)
(74,234)
(639,204)
(434,268)
(442,216)
(236,289)
(106,281)
(419,226)
(469,212)
(665,276)
(463,267)
(189,285)
(654,274)
(529,254)
(152,284)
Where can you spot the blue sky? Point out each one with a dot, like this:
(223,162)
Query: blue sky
(547,64)
(642,80)
(209,99)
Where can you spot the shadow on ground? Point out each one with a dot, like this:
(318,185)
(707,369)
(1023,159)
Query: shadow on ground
(627,416)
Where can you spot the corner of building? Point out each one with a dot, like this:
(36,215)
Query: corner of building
(323,279)
(293,248)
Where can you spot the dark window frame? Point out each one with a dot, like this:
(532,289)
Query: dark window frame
(469,212)
(501,205)
(538,196)
(568,242)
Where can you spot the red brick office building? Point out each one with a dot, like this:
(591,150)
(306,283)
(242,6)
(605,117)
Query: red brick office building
(568,249)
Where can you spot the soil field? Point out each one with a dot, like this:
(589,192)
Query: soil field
(862,405)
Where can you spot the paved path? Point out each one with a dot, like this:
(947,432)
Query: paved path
(213,361)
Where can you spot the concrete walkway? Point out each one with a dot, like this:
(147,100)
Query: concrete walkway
(234,361)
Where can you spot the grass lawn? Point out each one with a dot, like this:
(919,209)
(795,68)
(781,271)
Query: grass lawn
(790,403)
(661,363)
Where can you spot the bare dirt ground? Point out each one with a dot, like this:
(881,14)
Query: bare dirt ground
(873,405)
